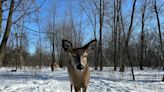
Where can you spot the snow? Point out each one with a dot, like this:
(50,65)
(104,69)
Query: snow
(35,80)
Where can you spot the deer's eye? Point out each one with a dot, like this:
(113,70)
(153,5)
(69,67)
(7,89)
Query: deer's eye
(74,55)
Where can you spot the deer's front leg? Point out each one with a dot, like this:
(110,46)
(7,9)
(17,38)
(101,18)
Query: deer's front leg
(71,87)
(84,89)
(77,89)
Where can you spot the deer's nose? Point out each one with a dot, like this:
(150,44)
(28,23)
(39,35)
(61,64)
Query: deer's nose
(80,67)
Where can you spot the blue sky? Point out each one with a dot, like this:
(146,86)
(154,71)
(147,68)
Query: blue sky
(45,16)
(33,36)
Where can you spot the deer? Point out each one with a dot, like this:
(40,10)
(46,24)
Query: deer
(77,66)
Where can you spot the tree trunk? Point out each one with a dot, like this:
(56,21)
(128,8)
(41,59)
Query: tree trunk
(100,39)
(122,66)
(160,36)
(7,32)
(0,28)
(0,17)
(115,38)
(127,40)
(119,28)
(53,52)
(142,35)
(53,40)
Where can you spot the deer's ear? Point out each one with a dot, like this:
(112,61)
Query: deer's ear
(67,45)
(91,44)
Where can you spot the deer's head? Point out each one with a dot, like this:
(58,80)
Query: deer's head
(78,55)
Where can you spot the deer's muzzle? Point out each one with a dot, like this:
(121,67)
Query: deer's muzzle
(80,67)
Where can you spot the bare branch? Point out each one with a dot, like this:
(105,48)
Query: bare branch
(28,12)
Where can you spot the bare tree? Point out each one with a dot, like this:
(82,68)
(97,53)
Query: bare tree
(143,9)
(0,17)
(115,35)
(122,53)
(128,38)
(13,10)
(101,19)
(120,29)
(7,32)
(54,13)
(154,2)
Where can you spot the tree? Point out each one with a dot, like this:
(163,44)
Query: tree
(52,32)
(128,38)
(115,35)
(101,19)
(159,30)
(0,17)
(122,53)
(143,9)
(14,9)
(7,31)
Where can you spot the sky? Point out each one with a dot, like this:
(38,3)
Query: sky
(45,15)
(33,36)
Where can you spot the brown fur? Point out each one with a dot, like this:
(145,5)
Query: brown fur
(78,79)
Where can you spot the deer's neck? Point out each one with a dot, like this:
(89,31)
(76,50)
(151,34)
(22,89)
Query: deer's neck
(77,77)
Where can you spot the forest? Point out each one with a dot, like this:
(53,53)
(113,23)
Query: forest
(129,33)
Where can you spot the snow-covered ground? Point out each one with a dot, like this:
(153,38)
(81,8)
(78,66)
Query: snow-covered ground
(33,80)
